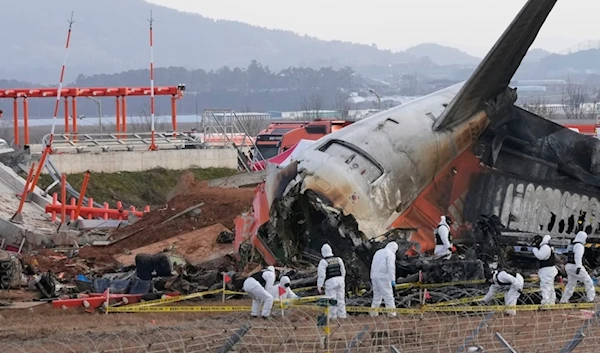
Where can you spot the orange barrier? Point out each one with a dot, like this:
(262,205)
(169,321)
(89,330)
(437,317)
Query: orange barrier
(91,212)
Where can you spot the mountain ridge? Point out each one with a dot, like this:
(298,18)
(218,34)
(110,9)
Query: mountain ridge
(114,37)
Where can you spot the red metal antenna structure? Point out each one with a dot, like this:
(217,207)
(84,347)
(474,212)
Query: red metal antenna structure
(152,144)
(48,148)
(60,84)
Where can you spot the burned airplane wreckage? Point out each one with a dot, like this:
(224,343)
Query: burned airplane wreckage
(466,151)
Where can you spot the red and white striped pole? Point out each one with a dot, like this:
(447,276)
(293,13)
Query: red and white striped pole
(48,148)
(60,84)
(152,144)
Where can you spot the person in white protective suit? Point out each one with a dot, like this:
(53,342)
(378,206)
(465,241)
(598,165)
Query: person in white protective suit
(258,287)
(548,271)
(331,274)
(575,270)
(283,287)
(443,246)
(505,280)
(383,277)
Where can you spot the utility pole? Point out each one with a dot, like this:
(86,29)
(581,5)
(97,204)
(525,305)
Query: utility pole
(99,105)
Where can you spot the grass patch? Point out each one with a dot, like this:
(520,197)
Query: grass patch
(134,188)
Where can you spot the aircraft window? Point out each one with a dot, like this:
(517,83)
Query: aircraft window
(355,158)
(391,120)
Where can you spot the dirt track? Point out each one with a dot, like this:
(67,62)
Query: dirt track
(46,328)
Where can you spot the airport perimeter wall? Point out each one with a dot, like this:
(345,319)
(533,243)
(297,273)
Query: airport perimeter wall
(135,161)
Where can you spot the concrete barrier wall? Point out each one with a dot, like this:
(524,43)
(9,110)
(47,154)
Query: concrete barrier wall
(135,161)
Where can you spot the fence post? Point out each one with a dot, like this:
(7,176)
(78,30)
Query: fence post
(504,343)
(234,339)
(475,332)
(356,340)
(323,319)
(580,335)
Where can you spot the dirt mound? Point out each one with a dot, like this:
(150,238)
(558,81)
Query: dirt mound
(186,183)
(220,206)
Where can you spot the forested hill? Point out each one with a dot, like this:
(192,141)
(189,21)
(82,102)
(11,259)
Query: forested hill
(253,88)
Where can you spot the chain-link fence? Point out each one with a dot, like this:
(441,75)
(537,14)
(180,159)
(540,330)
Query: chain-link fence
(454,319)
(299,331)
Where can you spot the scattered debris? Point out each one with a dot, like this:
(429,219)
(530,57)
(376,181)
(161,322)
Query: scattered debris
(10,271)
(199,248)
(186,211)
(225,237)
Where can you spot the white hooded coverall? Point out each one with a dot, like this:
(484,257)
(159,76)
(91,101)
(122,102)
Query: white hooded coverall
(289,294)
(383,273)
(547,273)
(504,279)
(443,231)
(260,295)
(335,287)
(573,275)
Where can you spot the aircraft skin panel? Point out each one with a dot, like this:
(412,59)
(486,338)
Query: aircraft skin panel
(495,71)
(402,144)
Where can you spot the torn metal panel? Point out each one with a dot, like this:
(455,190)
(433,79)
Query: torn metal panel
(532,207)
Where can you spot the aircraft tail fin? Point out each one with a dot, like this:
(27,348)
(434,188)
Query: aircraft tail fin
(495,71)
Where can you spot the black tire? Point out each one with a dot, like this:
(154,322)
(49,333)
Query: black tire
(162,265)
(144,266)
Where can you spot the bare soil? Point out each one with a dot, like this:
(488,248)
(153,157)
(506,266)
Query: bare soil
(220,206)
(297,331)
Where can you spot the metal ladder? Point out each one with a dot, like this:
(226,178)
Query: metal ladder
(228,126)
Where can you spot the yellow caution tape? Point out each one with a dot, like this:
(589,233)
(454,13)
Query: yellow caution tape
(455,309)
(460,309)
(356,309)
(300,300)
(450,284)
(480,298)
(180,309)
(438,285)
(214,292)
(232,292)
(304,289)
(500,295)
(307,307)
(177,298)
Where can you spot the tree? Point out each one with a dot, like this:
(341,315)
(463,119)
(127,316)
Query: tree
(578,103)
(539,106)
(143,122)
(312,105)
(342,104)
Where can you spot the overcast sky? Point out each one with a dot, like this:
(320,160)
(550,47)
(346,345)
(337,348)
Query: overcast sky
(471,25)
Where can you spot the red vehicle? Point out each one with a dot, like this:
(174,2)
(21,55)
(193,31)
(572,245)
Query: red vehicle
(278,137)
